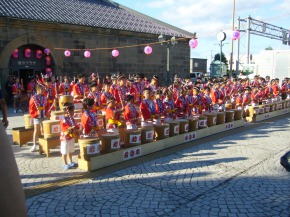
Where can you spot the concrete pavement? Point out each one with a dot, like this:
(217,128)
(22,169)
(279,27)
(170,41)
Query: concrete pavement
(238,175)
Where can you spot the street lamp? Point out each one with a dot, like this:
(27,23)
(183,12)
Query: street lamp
(221,36)
(169,44)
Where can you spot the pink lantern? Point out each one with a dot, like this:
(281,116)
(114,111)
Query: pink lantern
(15,54)
(67,53)
(38,54)
(148,50)
(48,60)
(48,72)
(27,53)
(87,54)
(46,51)
(115,53)
(193,43)
(236,35)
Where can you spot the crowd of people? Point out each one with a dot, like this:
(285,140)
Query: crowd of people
(125,100)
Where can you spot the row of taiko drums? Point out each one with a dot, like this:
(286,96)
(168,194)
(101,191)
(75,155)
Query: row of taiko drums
(107,142)
(266,108)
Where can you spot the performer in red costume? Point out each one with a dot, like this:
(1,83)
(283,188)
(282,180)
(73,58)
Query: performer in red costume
(148,109)
(113,115)
(69,130)
(65,88)
(137,89)
(38,110)
(89,119)
(131,113)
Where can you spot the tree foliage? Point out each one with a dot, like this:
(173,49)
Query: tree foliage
(224,59)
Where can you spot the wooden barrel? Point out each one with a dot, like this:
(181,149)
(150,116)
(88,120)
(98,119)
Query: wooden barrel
(272,107)
(65,98)
(51,129)
(228,106)
(254,110)
(101,122)
(57,115)
(192,124)
(147,134)
(28,122)
(220,118)
(183,128)
(288,103)
(211,119)
(121,131)
(110,142)
(132,138)
(238,114)
(261,109)
(89,147)
(202,122)
(229,116)
(78,113)
(279,105)
(174,128)
(267,108)
(161,131)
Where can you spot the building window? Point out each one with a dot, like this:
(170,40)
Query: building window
(195,65)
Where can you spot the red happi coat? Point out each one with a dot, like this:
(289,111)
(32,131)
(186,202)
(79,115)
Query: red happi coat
(131,114)
(89,123)
(65,88)
(148,109)
(137,91)
(38,106)
(65,127)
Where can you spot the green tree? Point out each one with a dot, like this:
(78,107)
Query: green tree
(224,59)
(269,48)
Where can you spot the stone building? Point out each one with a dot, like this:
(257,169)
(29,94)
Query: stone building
(31,26)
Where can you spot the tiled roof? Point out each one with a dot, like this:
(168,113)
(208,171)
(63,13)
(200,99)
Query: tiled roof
(94,13)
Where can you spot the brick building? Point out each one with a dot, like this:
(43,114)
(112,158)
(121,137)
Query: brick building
(84,24)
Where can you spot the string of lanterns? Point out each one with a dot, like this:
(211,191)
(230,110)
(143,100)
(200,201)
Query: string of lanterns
(193,43)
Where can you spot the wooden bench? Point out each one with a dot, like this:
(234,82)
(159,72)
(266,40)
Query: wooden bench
(21,136)
(46,144)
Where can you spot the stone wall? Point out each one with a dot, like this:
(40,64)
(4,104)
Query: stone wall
(15,33)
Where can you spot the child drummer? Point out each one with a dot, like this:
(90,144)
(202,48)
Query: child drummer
(147,108)
(38,110)
(69,130)
(89,118)
(113,115)
(131,113)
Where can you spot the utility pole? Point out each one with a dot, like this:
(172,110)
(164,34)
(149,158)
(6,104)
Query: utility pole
(232,44)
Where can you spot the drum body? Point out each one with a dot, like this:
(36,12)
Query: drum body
(192,124)
(183,128)
(220,118)
(267,108)
(147,134)
(28,122)
(132,138)
(51,129)
(229,116)
(238,114)
(279,105)
(261,109)
(78,113)
(110,142)
(211,119)
(202,122)
(57,115)
(89,147)
(161,131)
(65,98)
(78,104)
(174,128)
(101,122)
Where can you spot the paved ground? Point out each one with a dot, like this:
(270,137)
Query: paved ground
(238,175)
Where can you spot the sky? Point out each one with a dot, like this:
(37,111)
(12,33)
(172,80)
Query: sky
(208,18)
